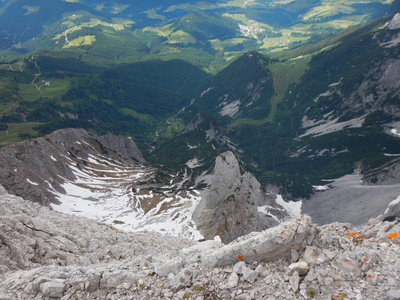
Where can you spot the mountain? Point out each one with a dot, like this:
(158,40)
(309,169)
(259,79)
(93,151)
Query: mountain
(337,111)
(48,255)
(106,178)
(292,122)
(121,121)
(43,95)
(207,34)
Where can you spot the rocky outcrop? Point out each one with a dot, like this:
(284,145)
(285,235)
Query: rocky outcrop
(389,173)
(395,22)
(32,168)
(47,255)
(228,208)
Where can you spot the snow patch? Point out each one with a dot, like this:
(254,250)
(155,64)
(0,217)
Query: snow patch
(53,158)
(31,182)
(391,155)
(266,210)
(320,187)
(105,190)
(293,208)
(191,147)
(194,163)
(394,131)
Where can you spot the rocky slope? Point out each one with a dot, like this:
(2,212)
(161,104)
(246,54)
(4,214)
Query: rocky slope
(48,255)
(105,178)
(34,168)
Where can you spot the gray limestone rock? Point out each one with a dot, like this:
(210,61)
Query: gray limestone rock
(294,281)
(310,255)
(395,22)
(295,255)
(34,168)
(229,206)
(232,281)
(393,294)
(300,267)
(238,267)
(249,275)
(53,289)
(43,256)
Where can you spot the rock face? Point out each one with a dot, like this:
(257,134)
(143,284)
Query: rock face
(47,255)
(395,22)
(228,208)
(32,168)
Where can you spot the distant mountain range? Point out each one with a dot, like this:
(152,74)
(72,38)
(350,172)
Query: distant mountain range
(206,34)
(189,81)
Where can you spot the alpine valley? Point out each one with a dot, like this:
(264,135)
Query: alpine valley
(243,149)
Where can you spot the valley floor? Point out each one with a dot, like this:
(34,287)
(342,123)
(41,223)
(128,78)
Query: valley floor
(350,200)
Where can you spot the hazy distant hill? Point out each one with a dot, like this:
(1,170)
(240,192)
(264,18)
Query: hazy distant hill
(203,33)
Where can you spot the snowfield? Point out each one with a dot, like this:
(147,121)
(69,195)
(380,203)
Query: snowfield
(105,190)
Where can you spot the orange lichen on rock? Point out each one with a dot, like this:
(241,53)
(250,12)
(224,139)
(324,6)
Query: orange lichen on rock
(240,257)
(351,234)
(393,235)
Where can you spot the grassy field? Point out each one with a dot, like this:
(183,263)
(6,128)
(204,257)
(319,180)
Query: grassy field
(285,73)
(221,45)
(142,117)
(30,9)
(55,88)
(152,14)
(83,40)
(175,126)
(181,37)
(11,135)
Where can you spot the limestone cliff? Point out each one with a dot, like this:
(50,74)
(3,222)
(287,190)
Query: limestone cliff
(228,208)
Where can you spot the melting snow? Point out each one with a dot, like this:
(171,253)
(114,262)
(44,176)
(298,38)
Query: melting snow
(193,163)
(394,131)
(320,187)
(266,210)
(293,208)
(104,190)
(31,182)
(191,147)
